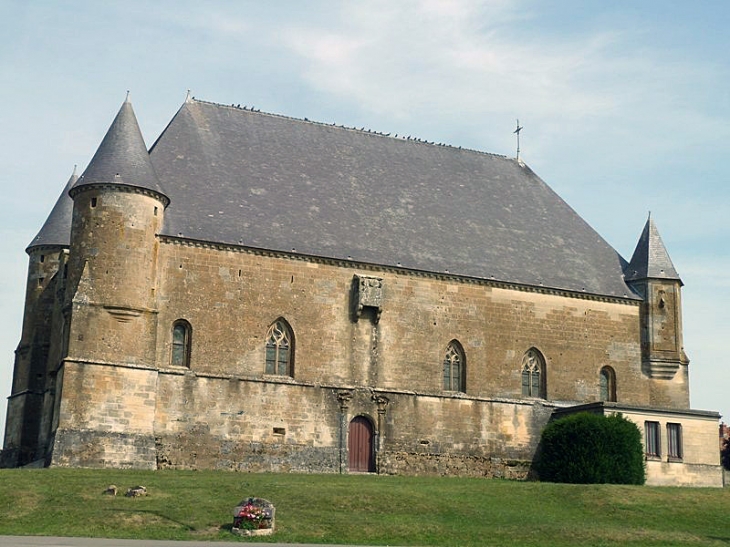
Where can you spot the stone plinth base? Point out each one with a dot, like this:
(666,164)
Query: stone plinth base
(259,532)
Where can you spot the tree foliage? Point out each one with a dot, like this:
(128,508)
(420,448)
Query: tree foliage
(587,448)
(725,454)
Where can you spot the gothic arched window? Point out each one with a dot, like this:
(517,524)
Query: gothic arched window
(608,384)
(280,349)
(181,335)
(454,367)
(533,374)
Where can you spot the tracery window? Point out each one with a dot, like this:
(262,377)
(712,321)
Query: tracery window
(454,367)
(279,349)
(181,335)
(608,384)
(533,374)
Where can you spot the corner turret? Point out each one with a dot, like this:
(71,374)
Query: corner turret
(652,274)
(34,356)
(110,306)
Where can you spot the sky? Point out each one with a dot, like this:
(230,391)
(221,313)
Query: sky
(625,107)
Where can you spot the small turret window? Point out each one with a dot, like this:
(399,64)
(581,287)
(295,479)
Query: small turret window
(181,335)
(93,202)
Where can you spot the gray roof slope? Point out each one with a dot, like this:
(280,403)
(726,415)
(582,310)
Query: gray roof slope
(266,181)
(56,230)
(122,158)
(650,258)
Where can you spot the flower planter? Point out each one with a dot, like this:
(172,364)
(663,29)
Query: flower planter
(253,517)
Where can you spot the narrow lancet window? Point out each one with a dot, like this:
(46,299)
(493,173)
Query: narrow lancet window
(608,385)
(181,335)
(533,374)
(279,349)
(454,367)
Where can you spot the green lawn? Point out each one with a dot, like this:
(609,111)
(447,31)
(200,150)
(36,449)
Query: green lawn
(361,509)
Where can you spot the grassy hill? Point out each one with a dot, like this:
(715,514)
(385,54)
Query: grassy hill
(361,509)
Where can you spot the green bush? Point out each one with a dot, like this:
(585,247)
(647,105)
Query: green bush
(587,448)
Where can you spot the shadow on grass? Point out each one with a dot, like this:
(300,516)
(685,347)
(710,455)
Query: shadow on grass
(157,514)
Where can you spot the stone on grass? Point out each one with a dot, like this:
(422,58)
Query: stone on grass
(136,491)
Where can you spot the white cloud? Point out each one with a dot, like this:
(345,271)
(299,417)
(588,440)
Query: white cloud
(469,59)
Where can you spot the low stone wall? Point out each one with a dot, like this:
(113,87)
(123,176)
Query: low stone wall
(85,448)
(207,452)
(726,477)
(457,465)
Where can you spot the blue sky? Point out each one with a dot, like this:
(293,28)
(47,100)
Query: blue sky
(625,107)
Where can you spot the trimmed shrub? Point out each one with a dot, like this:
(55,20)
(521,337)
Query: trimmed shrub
(587,448)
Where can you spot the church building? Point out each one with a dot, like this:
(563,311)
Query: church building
(262,293)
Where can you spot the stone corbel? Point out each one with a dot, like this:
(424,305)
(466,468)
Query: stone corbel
(368,293)
(382,402)
(344,397)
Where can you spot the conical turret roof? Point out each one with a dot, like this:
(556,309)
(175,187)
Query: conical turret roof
(650,259)
(56,231)
(122,158)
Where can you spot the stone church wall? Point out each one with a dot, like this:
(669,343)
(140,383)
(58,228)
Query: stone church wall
(105,417)
(224,412)
(211,422)
(231,298)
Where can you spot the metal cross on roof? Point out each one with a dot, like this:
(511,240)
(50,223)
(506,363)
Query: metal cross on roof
(517,132)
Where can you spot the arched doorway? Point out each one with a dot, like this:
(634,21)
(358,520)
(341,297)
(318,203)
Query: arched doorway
(360,445)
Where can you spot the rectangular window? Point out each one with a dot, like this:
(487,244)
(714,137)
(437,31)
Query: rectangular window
(674,441)
(652,439)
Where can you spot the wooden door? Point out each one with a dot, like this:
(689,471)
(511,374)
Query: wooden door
(360,445)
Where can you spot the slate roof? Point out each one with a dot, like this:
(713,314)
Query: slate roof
(56,230)
(122,158)
(240,177)
(650,258)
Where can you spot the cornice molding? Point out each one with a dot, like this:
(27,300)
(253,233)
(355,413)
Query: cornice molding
(355,265)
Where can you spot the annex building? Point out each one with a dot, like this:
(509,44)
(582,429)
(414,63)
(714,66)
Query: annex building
(262,293)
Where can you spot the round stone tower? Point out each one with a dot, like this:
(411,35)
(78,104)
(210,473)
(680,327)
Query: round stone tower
(110,308)
(118,211)
(36,357)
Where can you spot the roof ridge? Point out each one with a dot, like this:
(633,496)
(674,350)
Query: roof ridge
(375,133)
